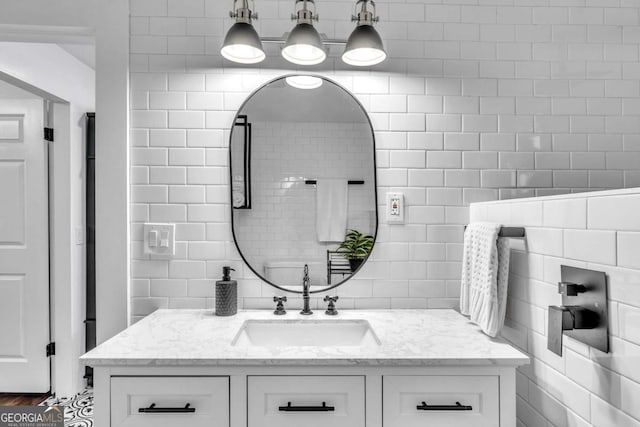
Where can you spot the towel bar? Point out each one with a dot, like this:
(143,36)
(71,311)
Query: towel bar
(513,232)
(313,182)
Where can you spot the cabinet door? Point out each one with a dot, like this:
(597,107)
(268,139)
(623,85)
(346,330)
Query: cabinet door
(170,401)
(306,401)
(441,401)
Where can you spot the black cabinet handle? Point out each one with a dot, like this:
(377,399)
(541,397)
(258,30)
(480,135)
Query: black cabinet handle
(456,407)
(152,409)
(323,408)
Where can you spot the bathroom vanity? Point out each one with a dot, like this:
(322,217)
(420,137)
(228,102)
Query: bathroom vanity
(391,368)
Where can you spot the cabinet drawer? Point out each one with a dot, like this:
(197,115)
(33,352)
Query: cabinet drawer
(163,400)
(309,401)
(412,401)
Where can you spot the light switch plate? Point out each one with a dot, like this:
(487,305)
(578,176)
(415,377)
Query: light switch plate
(79,235)
(161,232)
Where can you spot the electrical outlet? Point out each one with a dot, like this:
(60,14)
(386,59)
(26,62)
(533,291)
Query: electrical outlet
(395,208)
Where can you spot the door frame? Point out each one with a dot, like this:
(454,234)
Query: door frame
(108,24)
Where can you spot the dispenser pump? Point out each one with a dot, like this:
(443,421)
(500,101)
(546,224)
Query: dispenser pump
(226,273)
(226,294)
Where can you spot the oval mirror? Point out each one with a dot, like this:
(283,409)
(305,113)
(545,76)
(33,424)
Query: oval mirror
(303,183)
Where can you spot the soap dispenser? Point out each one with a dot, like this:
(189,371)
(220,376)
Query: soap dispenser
(226,294)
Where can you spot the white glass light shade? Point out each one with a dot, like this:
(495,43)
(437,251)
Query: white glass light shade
(304,46)
(364,47)
(242,44)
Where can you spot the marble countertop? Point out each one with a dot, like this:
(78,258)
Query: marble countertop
(407,338)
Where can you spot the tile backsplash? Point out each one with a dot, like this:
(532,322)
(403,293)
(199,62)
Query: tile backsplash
(479,100)
(599,231)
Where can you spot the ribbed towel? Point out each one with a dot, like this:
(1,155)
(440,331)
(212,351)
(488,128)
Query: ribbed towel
(485,275)
(237,190)
(332,200)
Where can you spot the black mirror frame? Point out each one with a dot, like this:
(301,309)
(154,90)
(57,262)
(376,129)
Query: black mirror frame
(375,184)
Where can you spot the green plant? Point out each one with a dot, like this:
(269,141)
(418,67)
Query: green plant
(356,245)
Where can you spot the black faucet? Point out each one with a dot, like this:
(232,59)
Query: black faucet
(306,285)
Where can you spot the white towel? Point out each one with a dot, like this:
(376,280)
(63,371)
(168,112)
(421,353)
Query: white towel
(485,275)
(237,191)
(332,198)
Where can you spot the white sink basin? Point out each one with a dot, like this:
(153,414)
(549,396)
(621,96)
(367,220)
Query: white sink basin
(305,333)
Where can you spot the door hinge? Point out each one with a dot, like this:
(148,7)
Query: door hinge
(48,134)
(51,349)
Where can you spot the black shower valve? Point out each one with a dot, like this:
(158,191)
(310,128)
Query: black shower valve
(583,315)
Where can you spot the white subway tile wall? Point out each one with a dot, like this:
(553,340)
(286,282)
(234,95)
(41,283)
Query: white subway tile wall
(479,100)
(584,387)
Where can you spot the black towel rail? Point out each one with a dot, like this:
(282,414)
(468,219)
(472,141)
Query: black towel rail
(313,182)
(513,232)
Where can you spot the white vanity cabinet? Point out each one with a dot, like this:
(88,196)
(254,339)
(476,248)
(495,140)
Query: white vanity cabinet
(425,368)
(169,401)
(314,396)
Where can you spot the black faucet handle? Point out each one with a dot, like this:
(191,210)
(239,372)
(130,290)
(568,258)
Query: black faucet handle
(331,308)
(567,318)
(571,289)
(280,305)
(560,319)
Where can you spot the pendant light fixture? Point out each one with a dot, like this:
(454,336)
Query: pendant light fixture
(242,43)
(364,46)
(304,45)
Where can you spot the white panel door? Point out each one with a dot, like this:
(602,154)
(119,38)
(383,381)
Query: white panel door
(24,248)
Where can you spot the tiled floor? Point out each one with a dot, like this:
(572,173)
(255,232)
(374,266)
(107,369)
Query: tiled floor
(78,410)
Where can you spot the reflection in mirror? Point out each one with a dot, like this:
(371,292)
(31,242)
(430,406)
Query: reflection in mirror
(241,167)
(303,183)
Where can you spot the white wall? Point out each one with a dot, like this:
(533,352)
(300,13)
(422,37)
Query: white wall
(73,14)
(599,231)
(30,65)
(477,102)
(112,167)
